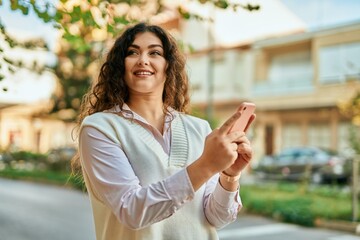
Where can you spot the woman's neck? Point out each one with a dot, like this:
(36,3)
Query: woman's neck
(151,111)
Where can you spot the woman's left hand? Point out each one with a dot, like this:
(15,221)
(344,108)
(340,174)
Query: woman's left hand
(245,154)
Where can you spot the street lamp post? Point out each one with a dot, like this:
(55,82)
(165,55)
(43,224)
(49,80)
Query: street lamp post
(355,186)
(210,68)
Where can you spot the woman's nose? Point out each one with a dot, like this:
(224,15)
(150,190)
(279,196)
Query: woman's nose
(143,60)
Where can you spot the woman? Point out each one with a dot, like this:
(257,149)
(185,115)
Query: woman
(152,170)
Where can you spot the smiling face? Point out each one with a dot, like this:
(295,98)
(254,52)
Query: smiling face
(145,65)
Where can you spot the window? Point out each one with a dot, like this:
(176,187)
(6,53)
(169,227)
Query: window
(291,68)
(340,62)
(319,135)
(291,135)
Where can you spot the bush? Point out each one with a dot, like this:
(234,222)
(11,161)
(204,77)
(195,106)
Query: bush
(294,211)
(29,156)
(290,203)
(50,177)
(25,160)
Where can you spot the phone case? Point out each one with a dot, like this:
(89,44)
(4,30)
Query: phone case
(247,110)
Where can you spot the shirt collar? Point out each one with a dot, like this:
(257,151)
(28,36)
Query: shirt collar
(171,114)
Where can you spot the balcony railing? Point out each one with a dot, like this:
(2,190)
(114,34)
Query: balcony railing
(267,88)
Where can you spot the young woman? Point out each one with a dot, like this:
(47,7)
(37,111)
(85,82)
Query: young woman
(151,170)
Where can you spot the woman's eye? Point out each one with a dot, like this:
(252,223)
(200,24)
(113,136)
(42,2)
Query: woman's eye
(131,52)
(156,53)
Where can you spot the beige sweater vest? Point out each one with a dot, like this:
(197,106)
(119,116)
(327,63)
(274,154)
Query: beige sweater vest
(151,165)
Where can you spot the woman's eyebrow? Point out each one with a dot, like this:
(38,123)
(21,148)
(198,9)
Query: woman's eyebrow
(150,46)
(155,45)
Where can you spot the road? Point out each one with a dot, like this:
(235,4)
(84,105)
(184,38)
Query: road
(41,212)
(31,211)
(249,227)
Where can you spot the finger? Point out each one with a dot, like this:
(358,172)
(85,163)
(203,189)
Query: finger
(243,140)
(237,137)
(244,148)
(225,128)
(234,147)
(252,118)
(246,157)
(245,151)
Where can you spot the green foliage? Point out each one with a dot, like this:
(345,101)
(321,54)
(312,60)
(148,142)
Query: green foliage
(30,161)
(27,156)
(43,11)
(13,65)
(294,211)
(60,166)
(351,109)
(214,123)
(354,138)
(286,202)
(49,177)
(78,48)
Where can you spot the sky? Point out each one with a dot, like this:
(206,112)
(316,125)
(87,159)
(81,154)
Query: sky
(275,18)
(314,13)
(25,86)
(311,14)
(322,13)
(27,26)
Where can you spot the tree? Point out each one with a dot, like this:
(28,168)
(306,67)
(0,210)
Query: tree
(351,109)
(10,63)
(86,27)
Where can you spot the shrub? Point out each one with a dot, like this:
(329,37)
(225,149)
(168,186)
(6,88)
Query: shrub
(29,156)
(290,203)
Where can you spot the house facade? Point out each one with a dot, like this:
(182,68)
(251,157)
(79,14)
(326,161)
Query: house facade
(298,84)
(296,80)
(23,127)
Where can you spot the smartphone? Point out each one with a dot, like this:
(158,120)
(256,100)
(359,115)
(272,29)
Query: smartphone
(247,110)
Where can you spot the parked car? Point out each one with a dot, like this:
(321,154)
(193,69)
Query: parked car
(62,154)
(59,158)
(6,157)
(317,165)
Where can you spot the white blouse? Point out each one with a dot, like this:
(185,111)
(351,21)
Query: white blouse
(220,206)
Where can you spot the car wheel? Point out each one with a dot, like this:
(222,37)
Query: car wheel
(317,178)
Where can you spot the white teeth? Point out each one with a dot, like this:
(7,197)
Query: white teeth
(143,73)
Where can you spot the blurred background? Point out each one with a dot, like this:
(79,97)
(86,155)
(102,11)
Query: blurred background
(298,61)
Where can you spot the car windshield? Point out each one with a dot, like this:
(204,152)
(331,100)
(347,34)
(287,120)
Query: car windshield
(301,156)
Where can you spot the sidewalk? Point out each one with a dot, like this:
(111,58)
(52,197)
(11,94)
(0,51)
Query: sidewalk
(346,226)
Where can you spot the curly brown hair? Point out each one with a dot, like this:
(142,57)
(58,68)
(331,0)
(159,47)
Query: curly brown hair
(110,89)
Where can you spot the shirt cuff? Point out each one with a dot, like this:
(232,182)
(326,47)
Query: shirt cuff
(225,198)
(179,187)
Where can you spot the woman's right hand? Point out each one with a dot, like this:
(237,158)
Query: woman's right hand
(220,152)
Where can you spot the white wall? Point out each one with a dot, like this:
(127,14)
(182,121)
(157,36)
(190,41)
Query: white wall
(232,73)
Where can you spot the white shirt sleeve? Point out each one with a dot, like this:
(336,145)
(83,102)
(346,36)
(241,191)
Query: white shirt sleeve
(115,184)
(221,206)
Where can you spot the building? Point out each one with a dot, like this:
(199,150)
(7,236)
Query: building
(296,80)
(24,127)
(299,82)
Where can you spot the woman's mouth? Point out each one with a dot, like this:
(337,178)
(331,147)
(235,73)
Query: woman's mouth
(143,73)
